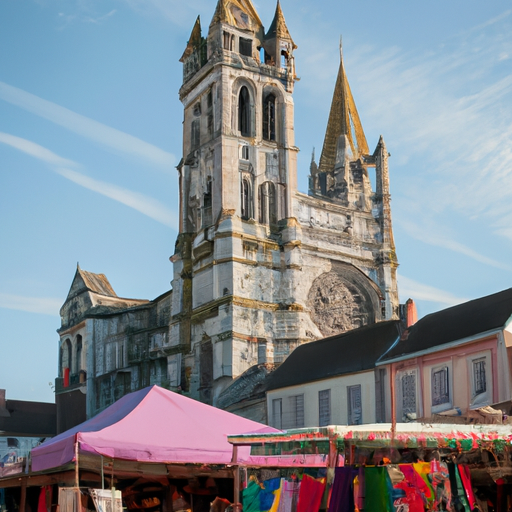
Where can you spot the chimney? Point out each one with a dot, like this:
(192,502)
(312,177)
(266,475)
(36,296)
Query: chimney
(411,313)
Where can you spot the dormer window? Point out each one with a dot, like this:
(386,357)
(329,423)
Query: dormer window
(245,47)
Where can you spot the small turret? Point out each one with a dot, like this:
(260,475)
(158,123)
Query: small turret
(194,56)
(278,43)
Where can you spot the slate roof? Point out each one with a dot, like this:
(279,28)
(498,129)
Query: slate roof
(349,352)
(455,323)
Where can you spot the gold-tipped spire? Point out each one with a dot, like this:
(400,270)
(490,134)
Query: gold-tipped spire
(343,122)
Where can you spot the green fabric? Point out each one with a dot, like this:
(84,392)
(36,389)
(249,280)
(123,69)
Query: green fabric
(251,497)
(377,490)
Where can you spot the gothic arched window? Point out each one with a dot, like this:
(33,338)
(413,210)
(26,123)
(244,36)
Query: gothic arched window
(269,117)
(267,203)
(246,199)
(244,112)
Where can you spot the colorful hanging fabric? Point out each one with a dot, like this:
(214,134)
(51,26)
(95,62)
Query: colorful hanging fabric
(415,489)
(267,496)
(423,469)
(250,497)
(277,498)
(378,490)
(289,496)
(310,494)
(459,501)
(441,485)
(342,494)
(359,490)
(465,476)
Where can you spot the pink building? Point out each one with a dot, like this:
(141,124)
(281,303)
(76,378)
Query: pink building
(457,358)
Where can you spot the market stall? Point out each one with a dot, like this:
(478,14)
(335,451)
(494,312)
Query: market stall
(154,445)
(375,468)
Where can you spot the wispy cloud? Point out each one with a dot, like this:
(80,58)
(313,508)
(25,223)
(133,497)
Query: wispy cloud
(98,132)
(42,305)
(85,18)
(435,235)
(143,204)
(35,150)
(410,288)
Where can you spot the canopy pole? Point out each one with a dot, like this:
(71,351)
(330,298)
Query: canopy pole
(77,481)
(102,474)
(236,486)
(23,499)
(236,476)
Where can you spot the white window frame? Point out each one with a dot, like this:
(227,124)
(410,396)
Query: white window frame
(477,400)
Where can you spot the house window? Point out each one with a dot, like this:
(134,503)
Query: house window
(408,394)
(245,152)
(246,47)
(294,414)
(277,412)
(324,407)
(244,112)
(480,369)
(269,117)
(480,382)
(246,199)
(440,386)
(267,203)
(355,410)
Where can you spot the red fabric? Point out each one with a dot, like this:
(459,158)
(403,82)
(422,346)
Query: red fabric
(310,494)
(465,476)
(66,377)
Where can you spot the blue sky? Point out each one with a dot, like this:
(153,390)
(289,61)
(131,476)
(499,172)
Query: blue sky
(90,134)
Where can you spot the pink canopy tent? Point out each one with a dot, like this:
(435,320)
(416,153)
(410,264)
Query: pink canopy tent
(152,425)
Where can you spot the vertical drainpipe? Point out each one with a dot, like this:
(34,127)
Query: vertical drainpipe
(393,403)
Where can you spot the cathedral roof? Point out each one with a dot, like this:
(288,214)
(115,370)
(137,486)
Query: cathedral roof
(97,283)
(239,13)
(467,320)
(194,41)
(343,122)
(349,352)
(278,27)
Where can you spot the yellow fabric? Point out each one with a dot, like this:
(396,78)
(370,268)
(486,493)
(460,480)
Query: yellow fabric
(277,494)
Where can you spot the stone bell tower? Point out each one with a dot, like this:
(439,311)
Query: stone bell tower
(257,263)
(237,179)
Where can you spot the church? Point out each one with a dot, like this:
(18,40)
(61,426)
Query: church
(259,268)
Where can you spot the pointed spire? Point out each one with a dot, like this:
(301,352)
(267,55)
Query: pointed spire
(278,27)
(194,41)
(230,12)
(343,122)
(221,13)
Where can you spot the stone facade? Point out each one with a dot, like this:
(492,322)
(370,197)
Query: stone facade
(260,268)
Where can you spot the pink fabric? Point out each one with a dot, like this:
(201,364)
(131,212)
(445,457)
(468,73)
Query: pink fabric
(152,425)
